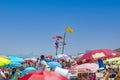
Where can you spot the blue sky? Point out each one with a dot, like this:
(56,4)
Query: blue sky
(27,26)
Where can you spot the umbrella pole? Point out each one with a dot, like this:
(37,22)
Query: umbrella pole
(63,42)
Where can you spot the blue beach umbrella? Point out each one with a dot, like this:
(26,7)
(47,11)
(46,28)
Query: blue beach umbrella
(55,58)
(15,61)
(28,70)
(48,60)
(15,58)
(53,65)
(14,64)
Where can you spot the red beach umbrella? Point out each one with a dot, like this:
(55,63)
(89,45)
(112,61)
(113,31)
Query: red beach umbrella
(31,59)
(43,75)
(49,56)
(93,67)
(94,55)
(58,37)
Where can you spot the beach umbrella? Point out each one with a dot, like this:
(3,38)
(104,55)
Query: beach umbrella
(73,67)
(15,61)
(53,65)
(84,70)
(14,64)
(94,55)
(4,60)
(48,60)
(55,58)
(31,59)
(62,56)
(118,63)
(93,67)
(2,64)
(43,75)
(49,56)
(28,70)
(15,58)
(112,59)
(58,37)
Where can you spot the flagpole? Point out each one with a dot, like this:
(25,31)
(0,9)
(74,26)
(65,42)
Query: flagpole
(63,43)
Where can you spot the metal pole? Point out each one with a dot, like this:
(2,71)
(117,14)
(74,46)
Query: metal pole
(57,46)
(63,42)
(56,51)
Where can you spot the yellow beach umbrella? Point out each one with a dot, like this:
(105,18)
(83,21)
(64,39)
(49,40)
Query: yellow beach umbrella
(113,59)
(4,60)
(1,64)
(118,63)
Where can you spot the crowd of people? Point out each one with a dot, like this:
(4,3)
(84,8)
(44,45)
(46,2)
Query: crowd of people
(109,71)
(11,72)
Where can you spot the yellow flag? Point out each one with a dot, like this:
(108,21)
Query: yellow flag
(69,29)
